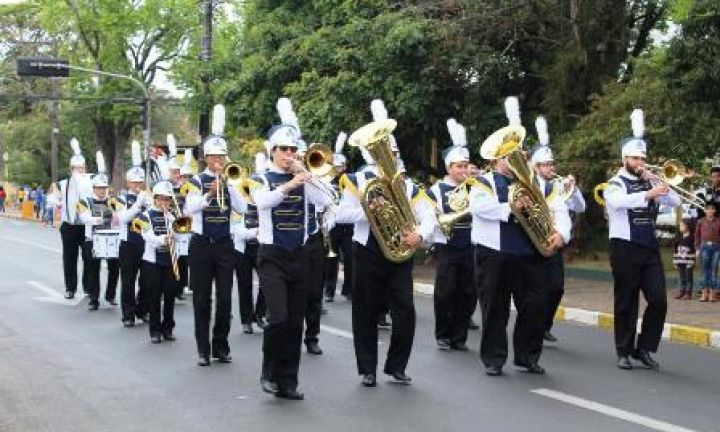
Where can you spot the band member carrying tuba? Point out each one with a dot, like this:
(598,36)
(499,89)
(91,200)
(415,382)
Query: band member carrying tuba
(392,217)
(454,297)
(515,229)
(633,198)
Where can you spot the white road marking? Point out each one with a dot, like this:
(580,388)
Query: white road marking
(336,331)
(34,244)
(54,296)
(611,411)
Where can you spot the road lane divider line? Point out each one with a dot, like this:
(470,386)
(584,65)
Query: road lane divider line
(34,244)
(53,296)
(336,331)
(611,411)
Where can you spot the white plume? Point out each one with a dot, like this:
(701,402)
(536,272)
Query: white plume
(100,161)
(340,142)
(187,160)
(637,118)
(379,112)
(260,162)
(75,145)
(172,145)
(218,120)
(541,127)
(287,114)
(457,133)
(512,110)
(135,153)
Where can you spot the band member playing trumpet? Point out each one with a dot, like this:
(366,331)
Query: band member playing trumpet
(454,297)
(211,245)
(156,223)
(543,163)
(96,214)
(282,202)
(515,229)
(382,256)
(633,198)
(132,245)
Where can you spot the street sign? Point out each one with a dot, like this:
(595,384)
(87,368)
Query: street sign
(42,67)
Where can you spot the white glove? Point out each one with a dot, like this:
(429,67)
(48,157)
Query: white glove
(97,220)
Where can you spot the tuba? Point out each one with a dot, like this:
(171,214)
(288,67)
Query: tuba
(536,220)
(391,215)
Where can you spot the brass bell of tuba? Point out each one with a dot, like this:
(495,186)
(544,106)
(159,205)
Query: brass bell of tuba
(390,214)
(536,220)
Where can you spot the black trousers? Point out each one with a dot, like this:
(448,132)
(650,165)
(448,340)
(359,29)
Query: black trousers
(91,275)
(556,287)
(130,267)
(637,268)
(211,261)
(245,262)
(284,281)
(380,279)
(454,296)
(341,242)
(498,278)
(183,270)
(73,238)
(161,289)
(316,263)
(685,272)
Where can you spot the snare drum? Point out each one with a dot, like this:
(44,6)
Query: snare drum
(106,243)
(182,244)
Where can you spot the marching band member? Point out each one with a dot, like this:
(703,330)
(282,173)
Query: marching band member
(245,233)
(177,180)
(132,245)
(186,168)
(283,264)
(711,193)
(506,261)
(379,275)
(543,163)
(633,197)
(211,246)
(340,234)
(157,232)
(68,192)
(454,298)
(96,214)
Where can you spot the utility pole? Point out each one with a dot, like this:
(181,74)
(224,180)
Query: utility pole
(54,124)
(206,21)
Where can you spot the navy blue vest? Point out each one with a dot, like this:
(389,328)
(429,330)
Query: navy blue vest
(288,218)
(641,219)
(513,238)
(460,235)
(132,236)
(215,223)
(157,223)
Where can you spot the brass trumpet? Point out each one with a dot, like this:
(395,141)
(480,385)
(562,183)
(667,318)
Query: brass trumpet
(232,173)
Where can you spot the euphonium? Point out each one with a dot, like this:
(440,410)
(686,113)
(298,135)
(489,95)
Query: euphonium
(459,203)
(390,214)
(536,220)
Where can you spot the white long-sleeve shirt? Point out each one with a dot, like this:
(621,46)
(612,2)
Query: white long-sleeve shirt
(67,194)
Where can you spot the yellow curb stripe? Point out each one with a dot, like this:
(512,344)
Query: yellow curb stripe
(560,314)
(691,335)
(606,321)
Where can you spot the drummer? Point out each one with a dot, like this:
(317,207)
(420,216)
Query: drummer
(100,241)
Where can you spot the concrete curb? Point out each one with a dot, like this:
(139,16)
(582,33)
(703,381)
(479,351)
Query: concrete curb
(19,218)
(674,332)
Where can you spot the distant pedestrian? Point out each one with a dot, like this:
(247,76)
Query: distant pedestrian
(684,260)
(40,199)
(707,247)
(3,197)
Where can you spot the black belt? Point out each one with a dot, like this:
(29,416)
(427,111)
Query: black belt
(212,240)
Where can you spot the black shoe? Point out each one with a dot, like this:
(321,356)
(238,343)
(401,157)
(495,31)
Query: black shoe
(203,361)
(329,299)
(644,357)
(145,318)
(247,328)
(472,325)
(369,380)
(549,337)
(93,306)
(168,336)
(400,377)
(493,371)
(624,363)
(260,321)
(532,368)
(459,346)
(111,302)
(314,348)
(128,322)
(289,394)
(383,322)
(443,344)
(155,339)
(223,358)
(180,297)
(268,386)
(69,295)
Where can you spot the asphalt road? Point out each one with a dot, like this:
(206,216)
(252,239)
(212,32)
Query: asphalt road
(63,368)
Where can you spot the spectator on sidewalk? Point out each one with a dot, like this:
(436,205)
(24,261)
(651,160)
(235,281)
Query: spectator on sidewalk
(3,196)
(39,203)
(684,260)
(20,195)
(707,246)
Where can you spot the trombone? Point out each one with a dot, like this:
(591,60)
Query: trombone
(672,173)
(317,160)
(171,242)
